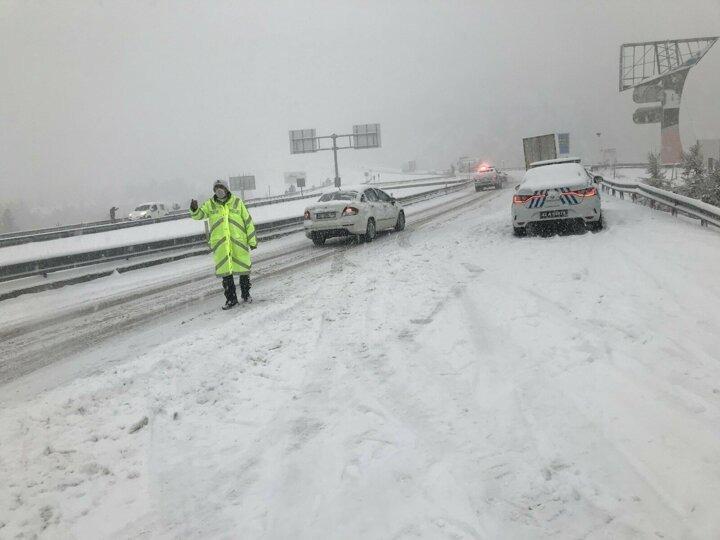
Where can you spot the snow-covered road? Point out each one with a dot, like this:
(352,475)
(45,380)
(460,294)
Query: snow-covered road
(450,381)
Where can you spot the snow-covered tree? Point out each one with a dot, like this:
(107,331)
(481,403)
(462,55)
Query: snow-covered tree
(694,173)
(712,188)
(692,163)
(656,175)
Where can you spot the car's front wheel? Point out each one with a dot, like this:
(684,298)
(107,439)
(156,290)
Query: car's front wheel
(519,231)
(400,224)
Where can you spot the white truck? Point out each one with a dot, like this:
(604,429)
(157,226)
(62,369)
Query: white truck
(540,148)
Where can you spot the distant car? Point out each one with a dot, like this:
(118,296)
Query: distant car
(486,177)
(148,211)
(557,192)
(353,211)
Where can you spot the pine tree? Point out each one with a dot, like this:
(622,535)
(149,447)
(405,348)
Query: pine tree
(712,192)
(694,173)
(656,175)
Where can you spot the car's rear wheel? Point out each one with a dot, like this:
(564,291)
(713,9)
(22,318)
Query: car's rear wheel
(477,188)
(595,226)
(318,239)
(370,231)
(400,224)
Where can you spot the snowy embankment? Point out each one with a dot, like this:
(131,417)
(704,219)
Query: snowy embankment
(159,231)
(451,381)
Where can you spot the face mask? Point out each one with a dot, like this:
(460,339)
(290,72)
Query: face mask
(220,193)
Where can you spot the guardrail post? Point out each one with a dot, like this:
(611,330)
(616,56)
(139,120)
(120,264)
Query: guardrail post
(207,230)
(652,204)
(673,211)
(622,195)
(703,223)
(634,197)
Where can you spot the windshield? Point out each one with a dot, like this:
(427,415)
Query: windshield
(142,207)
(338,196)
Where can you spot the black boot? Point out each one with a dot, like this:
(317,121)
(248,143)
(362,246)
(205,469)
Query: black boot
(230,294)
(245,288)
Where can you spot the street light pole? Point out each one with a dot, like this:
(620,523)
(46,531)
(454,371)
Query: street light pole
(335,149)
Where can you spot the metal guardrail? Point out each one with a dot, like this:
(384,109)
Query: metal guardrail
(66,231)
(25,237)
(662,199)
(266,231)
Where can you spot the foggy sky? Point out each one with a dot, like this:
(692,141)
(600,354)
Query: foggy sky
(113,100)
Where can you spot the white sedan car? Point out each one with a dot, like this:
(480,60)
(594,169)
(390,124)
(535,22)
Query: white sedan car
(353,211)
(559,191)
(148,211)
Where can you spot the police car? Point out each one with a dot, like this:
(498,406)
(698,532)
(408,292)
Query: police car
(352,211)
(559,191)
(486,177)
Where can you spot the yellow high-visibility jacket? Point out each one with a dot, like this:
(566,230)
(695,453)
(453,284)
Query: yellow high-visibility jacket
(232,234)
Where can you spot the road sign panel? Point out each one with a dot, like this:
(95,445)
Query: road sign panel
(366,136)
(296,178)
(303,141)
(564,144)
(242,183)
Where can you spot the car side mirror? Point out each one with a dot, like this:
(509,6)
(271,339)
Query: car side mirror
(598,179)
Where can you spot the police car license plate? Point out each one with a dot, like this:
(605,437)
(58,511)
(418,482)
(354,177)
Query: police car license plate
(325,215)
(553,214)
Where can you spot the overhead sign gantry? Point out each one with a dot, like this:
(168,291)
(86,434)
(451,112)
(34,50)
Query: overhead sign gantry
(656,70)
(305,141)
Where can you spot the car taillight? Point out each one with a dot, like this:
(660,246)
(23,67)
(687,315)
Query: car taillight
(307,214)
(521,199)
(350,211)
(589,192)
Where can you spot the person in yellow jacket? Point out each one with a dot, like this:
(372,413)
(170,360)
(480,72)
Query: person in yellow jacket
(232,237)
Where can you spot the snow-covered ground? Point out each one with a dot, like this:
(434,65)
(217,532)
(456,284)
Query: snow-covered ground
(159,231)
(450,381)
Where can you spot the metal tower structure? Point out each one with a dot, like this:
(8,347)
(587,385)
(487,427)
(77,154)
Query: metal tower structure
(656,70)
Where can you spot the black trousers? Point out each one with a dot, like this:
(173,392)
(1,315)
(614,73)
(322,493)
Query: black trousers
(229,287)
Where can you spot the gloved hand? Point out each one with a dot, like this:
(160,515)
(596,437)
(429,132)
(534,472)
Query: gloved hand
(193,205)
(253,247)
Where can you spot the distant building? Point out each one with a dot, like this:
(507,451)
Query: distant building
(710,149)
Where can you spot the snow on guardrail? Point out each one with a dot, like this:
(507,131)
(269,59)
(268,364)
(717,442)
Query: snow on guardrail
(663,199)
